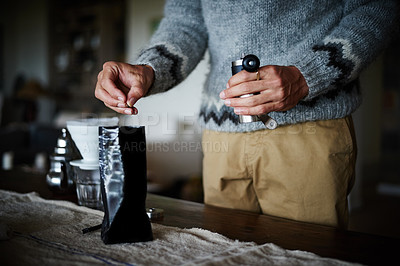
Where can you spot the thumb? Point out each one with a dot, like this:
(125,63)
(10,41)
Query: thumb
(135,93)
(140,84)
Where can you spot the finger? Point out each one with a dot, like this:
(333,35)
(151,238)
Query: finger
(242,89)
(139,80)
(268,72)
(245,82)
(108,79)
(122,86)
(261,109)
(242,76)
(105,97)
(135,93)
(250,101)
(278,94)
(256,110)
(126,110)
(264,108)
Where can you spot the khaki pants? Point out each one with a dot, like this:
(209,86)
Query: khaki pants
(302,172)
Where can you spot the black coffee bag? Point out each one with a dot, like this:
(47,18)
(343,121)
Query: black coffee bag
(123,171)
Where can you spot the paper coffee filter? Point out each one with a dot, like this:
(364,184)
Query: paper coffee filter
(85,134)
(111,121)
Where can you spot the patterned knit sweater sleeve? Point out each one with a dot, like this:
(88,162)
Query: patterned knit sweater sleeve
(177,46)
(356,40)
(329,41)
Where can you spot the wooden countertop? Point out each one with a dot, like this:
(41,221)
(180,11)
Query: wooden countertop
(244,226)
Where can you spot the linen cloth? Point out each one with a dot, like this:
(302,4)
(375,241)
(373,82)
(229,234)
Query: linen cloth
(48,232)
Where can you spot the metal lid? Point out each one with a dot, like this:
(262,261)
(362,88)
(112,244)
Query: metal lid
(155,213)
(61,147)
(237,62)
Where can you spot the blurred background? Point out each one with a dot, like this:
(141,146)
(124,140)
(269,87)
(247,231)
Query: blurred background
(52,51)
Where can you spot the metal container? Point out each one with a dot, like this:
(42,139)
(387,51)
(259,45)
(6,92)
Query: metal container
(60,175)
(251,63)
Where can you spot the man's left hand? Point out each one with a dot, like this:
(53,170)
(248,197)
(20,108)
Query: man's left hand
(279,88)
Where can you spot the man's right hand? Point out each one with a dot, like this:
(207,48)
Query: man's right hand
(121,85)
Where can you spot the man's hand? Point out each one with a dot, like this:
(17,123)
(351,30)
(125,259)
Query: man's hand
(120,85)
(279,88)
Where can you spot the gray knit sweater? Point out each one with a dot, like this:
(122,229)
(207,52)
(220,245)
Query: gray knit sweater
(329,41)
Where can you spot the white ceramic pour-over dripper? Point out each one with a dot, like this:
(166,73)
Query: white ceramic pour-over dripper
(85,134)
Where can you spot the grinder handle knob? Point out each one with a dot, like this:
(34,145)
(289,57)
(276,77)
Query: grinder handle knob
(251,63)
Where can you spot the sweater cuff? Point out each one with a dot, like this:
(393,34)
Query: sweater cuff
(317,72)
(168,66)
(328,66)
